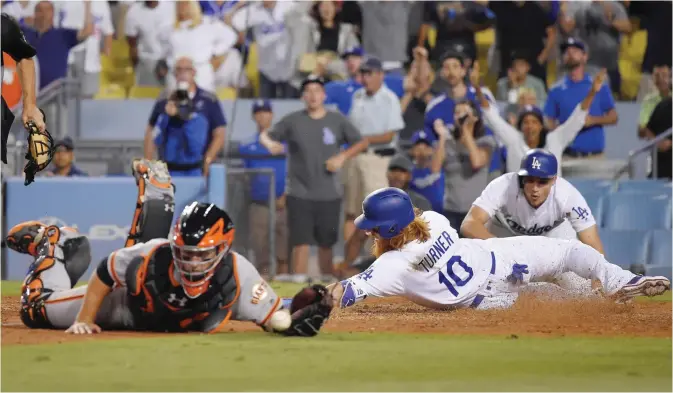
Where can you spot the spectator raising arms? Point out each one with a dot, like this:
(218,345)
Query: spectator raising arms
(518,78)
(314,138)
(53,44)
(570,91)
(144,22)
(215,44)
(533,132)
(427,176)
(416,94)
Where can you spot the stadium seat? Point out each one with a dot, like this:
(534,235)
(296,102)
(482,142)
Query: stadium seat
(145,92)
(648,186)
(595,200)
(226,93)
(661,244)
(585,185)
(624,248)
(111,91)
(637,211)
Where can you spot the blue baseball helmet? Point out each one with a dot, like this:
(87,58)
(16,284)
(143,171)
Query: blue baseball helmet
(387,210)
(539,163)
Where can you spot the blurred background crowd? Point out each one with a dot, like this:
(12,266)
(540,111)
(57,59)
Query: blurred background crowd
(388,85)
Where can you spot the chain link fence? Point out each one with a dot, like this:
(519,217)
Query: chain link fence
(251,204)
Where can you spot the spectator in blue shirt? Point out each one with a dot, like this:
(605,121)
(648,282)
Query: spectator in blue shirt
(564,96)
(53,44)
(189,126)
(340,93)
(427,177)
(63,160)
(255,156)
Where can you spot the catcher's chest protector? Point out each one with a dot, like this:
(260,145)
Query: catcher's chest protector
(158,301)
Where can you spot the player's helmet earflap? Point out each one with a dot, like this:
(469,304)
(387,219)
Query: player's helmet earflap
(387,211)
(201,238)
(539,163)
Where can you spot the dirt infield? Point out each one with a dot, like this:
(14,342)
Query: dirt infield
(530,316)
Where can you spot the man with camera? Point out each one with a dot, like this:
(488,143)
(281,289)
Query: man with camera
(187,128)
(468,155)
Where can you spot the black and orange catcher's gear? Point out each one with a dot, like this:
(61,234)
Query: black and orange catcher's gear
(25,237)
(201,238)
(155,204)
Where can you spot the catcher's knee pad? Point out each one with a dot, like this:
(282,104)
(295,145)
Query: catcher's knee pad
(33,296)
(25,237)
(155,205)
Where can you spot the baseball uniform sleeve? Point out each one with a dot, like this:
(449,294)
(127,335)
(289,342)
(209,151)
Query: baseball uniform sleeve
(493,197)
(257,300)
(118,261)
(382,279)
(576,209)
(13,41)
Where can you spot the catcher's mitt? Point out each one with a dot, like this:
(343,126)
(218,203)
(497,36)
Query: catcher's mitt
(40,151)
(308,319)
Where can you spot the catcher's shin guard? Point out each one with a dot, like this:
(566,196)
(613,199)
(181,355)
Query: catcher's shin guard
(155,204)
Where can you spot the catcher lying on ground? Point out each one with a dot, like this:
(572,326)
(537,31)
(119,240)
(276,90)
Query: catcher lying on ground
(192,282)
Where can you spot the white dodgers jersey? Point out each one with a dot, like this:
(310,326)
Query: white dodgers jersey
(512,215)
(442,272)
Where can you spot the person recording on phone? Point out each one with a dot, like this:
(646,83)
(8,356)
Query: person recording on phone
(186,130)
(467,160)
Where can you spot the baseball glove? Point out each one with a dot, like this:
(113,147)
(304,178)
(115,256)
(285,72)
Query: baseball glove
(40,151)
(308,319)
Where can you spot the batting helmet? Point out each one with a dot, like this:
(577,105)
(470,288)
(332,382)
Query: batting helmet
(386,210)
(539,163)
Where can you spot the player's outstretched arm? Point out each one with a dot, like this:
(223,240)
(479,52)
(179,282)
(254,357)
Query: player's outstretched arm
(310,309)
(85,321)
(591,238)
(474,224)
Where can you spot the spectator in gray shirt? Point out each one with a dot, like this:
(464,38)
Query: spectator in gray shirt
(518,77)
(314,137)
(468,155)
(385,32)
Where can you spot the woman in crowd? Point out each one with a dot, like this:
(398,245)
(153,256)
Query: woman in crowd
(530,121)
(327,38)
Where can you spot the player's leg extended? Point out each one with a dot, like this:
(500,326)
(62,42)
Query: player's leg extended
(61,255)
(546,259)
(153,216)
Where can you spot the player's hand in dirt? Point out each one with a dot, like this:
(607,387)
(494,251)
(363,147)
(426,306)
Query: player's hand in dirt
(84,328)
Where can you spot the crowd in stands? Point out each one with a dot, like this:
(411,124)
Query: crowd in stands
(410,88)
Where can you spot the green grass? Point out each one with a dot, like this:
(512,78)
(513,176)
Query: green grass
(341,362)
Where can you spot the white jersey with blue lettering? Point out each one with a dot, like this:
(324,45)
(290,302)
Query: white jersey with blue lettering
(564,214)
(438,273)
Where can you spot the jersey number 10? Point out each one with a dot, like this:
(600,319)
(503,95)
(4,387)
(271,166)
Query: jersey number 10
(453,276)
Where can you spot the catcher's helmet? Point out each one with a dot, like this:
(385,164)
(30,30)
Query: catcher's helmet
(201,238)
(387,211)
(539,163)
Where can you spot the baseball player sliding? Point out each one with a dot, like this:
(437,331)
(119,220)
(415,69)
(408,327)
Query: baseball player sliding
(534,202)
(190,281)
(420,257)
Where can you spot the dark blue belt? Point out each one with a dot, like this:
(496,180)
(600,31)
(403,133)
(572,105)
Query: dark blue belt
(479,298)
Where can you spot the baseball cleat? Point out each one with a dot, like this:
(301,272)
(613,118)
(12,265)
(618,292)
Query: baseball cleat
(643,286)
(25,237)
(154,171)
